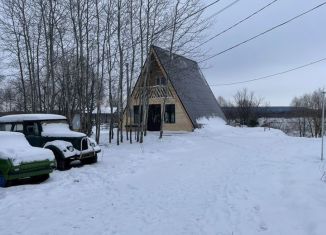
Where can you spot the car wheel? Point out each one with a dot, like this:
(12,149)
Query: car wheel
(62,164)
(41,178)
(3,181)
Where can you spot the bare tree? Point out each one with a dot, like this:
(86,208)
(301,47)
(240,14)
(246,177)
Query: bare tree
(67,56)
(246,104)
(310,108)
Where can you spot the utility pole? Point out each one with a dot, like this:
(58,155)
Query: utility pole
(322,126)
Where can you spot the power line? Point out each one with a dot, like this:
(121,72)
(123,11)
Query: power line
(202,9)
(267,31)
(222,10)
(272,75)
(233,26)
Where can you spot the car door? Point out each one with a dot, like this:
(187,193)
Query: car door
(33,134)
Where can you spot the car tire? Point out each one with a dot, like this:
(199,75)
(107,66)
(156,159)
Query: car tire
(89,160)
(3,182)
(61,163)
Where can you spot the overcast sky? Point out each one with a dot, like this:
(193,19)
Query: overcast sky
(295,44)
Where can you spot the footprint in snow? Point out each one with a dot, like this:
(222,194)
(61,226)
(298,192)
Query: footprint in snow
(132,187)
(257,208)
(263,227)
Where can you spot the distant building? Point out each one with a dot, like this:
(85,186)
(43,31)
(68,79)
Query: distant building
(105,116)
(177,83)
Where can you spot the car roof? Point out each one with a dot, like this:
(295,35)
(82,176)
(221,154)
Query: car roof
(30,117)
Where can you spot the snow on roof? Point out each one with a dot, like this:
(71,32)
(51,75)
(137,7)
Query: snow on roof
(105,110)
(15,146)
(31,117)
(4,134)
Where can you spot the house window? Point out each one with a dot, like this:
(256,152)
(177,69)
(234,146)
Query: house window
(138,116)
(169,116)
(160,81)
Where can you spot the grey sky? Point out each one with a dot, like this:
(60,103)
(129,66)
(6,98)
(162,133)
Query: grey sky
(295,44)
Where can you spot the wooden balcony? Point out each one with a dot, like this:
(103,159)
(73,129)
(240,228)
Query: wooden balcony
(158,91)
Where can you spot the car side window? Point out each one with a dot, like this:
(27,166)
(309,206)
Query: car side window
(32,129)
(18,127)
(5,127)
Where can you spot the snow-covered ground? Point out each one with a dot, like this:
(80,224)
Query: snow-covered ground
(217,180)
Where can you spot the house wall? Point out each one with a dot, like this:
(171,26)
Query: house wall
(182,121)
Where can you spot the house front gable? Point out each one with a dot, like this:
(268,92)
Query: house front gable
(159,91)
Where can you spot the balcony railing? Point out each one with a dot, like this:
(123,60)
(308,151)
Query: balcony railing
(158,91)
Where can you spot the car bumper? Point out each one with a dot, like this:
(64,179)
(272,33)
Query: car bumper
(84,154)
(28,174)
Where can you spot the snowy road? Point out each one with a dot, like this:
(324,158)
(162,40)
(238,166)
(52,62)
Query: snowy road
(219,180)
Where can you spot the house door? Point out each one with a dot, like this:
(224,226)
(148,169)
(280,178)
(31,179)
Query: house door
(154,117)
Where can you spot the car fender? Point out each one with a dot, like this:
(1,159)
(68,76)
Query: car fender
(62,147)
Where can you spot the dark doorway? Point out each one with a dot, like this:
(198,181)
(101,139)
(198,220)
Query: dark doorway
(154,117)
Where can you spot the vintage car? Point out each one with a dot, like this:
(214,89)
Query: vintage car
(52,131)
(19,160)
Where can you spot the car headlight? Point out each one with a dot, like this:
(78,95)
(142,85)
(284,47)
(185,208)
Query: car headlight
(93,144)
(53,164)
(71,148)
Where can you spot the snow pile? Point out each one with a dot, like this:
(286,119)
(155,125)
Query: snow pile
(216,180)
(59,130)
(211,125)
(218,127)
(14,146)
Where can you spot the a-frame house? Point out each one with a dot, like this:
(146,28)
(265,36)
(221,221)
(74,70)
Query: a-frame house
(175,85)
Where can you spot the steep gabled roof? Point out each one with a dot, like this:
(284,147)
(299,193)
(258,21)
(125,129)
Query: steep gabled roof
(190,86)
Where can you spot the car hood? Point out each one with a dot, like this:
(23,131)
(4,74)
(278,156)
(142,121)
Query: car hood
(59,130)
(63,134)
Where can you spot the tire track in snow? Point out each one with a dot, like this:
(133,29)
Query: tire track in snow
(241,209)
